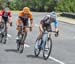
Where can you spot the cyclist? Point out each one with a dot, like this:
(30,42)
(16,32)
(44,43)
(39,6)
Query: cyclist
(6,16)
(23,20)
(45,24)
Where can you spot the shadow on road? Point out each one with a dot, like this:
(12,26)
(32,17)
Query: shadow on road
(32,56)
(11,50)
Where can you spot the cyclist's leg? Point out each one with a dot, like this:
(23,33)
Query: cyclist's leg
(38,40)
(26,29)
(48,28)
(39,35)
(5,19)
(19,23)
(6,29)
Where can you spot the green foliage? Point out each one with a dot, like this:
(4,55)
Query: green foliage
(66,6)
(1,3)
(42,5)
(4,3)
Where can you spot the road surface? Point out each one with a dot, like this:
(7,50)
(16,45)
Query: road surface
(63,50)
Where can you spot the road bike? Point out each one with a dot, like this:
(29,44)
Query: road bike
(45,44)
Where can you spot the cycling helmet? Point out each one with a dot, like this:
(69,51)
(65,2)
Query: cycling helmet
(53,15)
(6,9)
(26,10)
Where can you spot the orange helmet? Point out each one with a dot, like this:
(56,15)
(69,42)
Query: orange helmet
(26,10)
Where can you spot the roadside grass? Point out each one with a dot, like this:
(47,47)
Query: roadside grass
(15,12)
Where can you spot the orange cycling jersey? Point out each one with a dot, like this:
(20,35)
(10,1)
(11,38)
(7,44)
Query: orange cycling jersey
(22,15)
(29,15)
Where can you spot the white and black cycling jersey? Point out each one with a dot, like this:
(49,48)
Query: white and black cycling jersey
(46,19)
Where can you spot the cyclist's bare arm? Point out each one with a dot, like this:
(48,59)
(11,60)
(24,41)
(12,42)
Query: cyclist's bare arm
(41,28)
(19,22)
(32,23)
(56,25)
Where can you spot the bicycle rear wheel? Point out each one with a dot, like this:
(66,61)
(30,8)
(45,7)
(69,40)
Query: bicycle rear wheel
(47,49)
(37,48)
(5,34)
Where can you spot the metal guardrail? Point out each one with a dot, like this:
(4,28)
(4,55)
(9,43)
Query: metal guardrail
(70,15)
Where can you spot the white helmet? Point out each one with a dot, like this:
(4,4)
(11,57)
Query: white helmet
(53,15)
(6,9)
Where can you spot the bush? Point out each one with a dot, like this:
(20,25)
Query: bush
(43,5)
(66,6)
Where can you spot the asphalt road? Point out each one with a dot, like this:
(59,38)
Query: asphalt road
(63,50)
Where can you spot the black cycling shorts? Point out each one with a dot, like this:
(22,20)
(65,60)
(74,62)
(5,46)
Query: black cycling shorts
(25,21)
(47,27)
(5,19)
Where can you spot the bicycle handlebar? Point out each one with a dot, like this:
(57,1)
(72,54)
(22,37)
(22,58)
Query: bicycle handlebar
(49,31)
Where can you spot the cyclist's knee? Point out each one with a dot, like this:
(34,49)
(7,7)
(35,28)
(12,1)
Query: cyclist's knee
(26,29)
(18,28)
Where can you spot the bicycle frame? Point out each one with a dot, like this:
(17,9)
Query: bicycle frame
(45,45)
(45,36)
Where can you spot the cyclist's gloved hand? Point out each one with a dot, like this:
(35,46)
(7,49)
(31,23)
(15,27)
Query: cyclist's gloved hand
(56,34)
(11,24)
(30,28)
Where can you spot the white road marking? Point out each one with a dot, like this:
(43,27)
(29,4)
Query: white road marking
(60,62)
(8,35)
(36,25)
(25,45)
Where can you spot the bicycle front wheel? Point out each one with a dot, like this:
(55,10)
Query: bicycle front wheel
(37,48)
(21,44)
(47,48)
(21,48)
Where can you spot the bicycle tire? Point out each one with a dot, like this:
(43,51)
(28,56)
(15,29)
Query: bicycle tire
(37,50)
(18,45)
(21,48)
(46,56)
